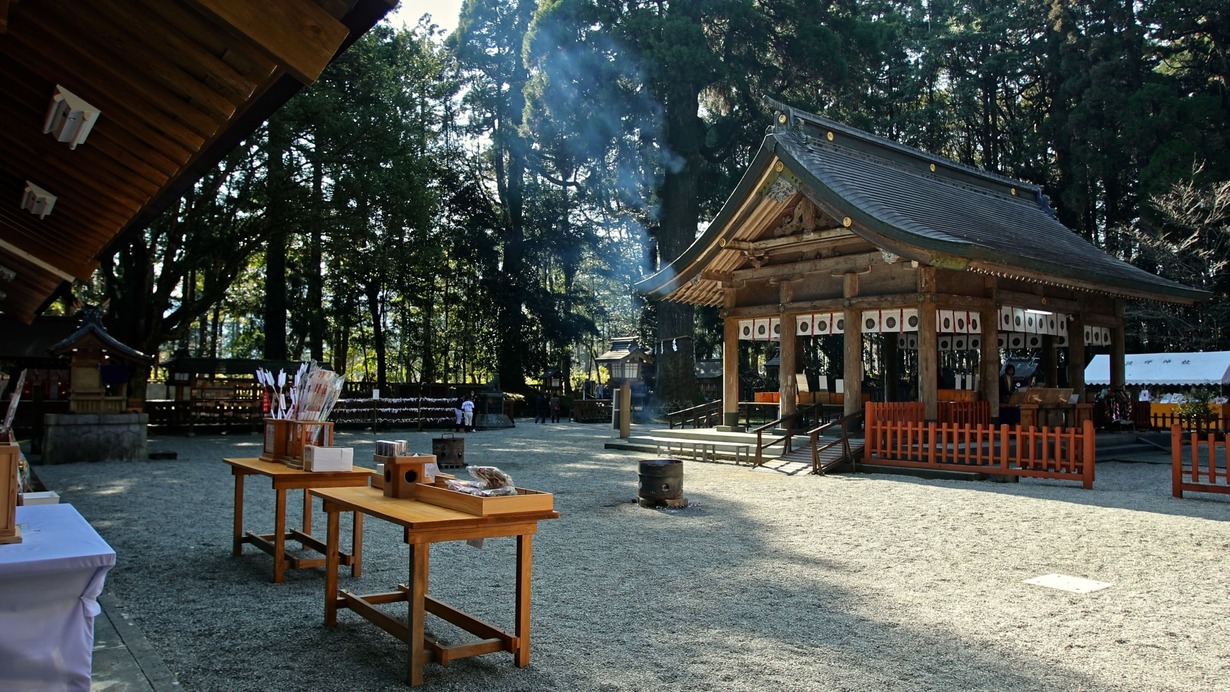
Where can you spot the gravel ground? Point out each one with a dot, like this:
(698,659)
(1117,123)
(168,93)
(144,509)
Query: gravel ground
(766,581)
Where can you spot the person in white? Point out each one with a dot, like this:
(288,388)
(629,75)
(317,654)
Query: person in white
(467,411)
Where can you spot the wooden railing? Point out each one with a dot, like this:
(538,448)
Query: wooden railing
(591,410)
(954,412)
(1208,423)
(704,415)
(964,412)
(789,423)
(901,411)
(1204,470)
(847,423)
(1060,453)
(81,402)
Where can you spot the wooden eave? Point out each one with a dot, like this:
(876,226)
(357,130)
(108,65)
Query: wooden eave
(178,84)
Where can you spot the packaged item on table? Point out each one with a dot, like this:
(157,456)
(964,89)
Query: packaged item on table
(491,476)
(489,482)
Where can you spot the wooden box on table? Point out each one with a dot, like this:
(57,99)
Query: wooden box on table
(9,457)
(285,439)
(404,474)
(524,501)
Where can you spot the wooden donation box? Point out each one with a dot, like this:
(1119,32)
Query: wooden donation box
(285,440)
(403,473)
(9,457)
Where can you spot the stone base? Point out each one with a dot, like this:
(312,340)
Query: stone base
(731,428)
(673,503)
(72,437)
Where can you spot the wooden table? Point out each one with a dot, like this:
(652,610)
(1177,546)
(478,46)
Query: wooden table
(285,478)
(423,525)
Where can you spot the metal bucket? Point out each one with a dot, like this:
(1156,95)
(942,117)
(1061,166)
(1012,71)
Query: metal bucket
(450,451)
(661,479)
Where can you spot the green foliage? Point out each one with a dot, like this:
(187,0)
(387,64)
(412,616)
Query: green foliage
(1195,405)
(453,209)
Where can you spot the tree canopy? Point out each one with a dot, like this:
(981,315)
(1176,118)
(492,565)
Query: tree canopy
(474,207)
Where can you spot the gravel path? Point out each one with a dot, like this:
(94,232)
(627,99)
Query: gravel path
(765,582)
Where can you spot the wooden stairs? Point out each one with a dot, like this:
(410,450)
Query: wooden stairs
(831,459)
(707,444)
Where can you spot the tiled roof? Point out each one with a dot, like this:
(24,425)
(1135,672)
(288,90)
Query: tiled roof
(935,210)
(961,212)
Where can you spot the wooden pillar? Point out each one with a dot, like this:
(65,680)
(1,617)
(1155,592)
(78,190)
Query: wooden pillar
(788,356)
(988,359)
(891,366)
(1118,354)
(928,361)
(928,345)
(730,371)
(853,349)
(1049,363)
(1076,355)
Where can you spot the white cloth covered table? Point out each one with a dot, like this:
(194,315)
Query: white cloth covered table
(49,585)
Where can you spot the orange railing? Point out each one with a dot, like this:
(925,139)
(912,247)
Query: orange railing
(1060,453)
(902,411)
(1205,470)
(964,412)
(1209,423)
(954,412)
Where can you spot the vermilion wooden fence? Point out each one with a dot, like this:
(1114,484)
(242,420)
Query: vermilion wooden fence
(1061,453)
(1204,470)
(964,412)
(1204,424)
(904,411)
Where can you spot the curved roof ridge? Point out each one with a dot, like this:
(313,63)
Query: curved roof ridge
(796,116)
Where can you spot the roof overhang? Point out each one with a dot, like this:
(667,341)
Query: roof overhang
(167,88)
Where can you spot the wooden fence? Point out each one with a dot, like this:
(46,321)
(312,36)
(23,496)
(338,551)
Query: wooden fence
(1059,453)
(1204,469)
(964,412)
(1210,423)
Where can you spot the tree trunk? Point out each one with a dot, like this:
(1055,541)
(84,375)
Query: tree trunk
(676,369)
(276,214)
(315,282)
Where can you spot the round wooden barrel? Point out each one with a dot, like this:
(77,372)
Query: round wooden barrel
(450,451)
(661,479)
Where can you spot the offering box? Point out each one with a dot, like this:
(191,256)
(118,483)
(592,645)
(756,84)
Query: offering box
(524,501)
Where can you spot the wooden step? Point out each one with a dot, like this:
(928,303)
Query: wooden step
(829,458)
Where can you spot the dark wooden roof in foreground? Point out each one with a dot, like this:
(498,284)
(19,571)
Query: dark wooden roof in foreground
(902,201)
(177,85)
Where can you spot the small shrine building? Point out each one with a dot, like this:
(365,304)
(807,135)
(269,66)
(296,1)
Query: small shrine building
(835,231)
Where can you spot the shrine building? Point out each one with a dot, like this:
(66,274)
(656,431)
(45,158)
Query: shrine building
(904,258)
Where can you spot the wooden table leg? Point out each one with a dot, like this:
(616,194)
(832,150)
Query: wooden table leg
(417,615)
(331,562)
(356,540)
(279,537)
(307,513)
(525,558)
(237,538)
